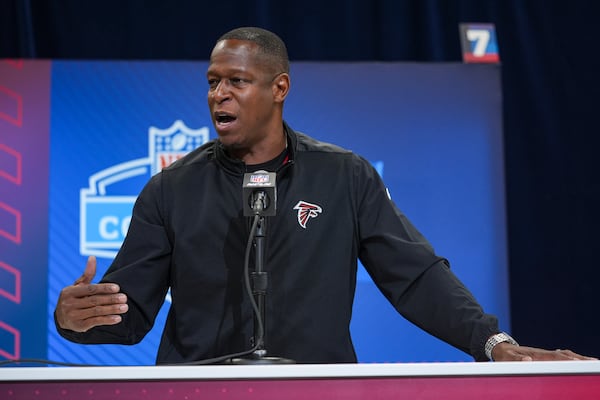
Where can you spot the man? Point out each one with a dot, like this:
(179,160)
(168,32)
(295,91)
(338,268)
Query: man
(188,234)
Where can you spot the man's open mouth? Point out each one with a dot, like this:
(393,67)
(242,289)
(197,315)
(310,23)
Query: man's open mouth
(224,118)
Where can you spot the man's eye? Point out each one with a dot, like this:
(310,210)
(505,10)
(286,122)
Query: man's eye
(237,81)
(212,83)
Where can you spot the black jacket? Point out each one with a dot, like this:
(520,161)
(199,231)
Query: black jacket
(188,234)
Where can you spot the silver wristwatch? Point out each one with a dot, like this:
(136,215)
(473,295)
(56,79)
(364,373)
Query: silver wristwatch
(494,340)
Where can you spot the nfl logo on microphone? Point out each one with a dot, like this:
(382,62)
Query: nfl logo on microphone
(259,178)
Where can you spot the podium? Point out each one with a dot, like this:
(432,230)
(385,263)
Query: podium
(449,381)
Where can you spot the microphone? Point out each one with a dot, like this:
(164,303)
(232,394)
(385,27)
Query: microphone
(259,200)
(259,194)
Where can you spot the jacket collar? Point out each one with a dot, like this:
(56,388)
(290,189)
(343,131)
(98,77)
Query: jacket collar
(238,167)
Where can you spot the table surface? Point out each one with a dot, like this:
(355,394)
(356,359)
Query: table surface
(301,371)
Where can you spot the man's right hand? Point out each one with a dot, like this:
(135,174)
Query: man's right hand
(85,305)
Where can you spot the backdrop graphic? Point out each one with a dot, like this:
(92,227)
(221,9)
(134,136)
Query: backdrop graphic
(433,132)
(24,109)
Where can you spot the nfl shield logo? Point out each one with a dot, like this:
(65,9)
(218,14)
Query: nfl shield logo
(105,205)
(260,178)
(169,145)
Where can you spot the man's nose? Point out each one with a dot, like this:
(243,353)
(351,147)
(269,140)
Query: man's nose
(221,92)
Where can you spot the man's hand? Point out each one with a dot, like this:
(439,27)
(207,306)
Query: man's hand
(509,352)
(84,305)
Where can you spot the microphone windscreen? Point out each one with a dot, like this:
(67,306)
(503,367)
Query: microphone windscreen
(259,181)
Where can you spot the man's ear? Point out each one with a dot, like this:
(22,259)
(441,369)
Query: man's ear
(281,87)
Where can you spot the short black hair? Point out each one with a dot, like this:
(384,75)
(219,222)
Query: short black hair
(268,43)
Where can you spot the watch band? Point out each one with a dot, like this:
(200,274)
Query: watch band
(494,340)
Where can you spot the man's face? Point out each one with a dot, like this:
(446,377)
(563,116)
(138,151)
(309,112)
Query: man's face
(241,95)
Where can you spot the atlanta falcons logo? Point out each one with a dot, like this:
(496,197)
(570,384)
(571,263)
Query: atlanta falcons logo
(306,211)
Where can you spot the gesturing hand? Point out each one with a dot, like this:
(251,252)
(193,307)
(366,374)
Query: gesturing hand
(85,305)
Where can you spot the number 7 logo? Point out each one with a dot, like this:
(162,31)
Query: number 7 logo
(478,42)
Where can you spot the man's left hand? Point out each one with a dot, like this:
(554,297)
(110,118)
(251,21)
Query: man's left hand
(509,352)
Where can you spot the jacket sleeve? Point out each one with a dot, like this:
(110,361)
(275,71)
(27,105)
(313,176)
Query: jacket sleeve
(417,282)
(141,268)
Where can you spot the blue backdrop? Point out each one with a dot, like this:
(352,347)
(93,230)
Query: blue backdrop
(433,131)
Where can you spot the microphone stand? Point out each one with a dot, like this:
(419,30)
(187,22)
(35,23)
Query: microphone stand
(260,283)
